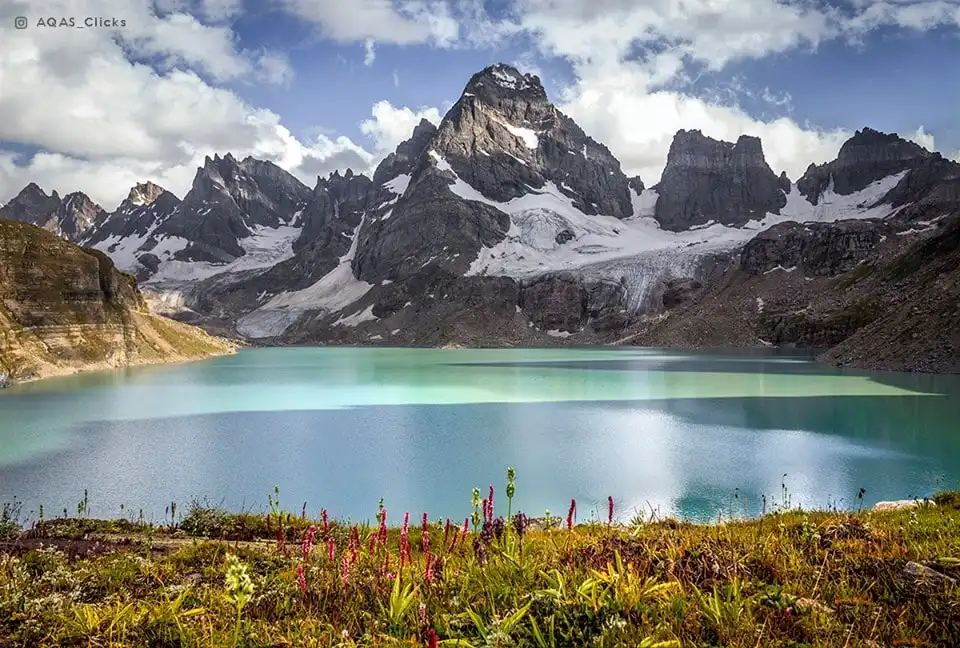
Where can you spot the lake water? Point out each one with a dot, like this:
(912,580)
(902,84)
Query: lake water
(689,434)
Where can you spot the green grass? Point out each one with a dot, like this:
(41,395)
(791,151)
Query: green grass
(787,579)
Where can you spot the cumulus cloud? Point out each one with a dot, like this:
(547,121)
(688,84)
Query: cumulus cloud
(638,126)
(922,138)
(103,121)
(631,62)
(389,125)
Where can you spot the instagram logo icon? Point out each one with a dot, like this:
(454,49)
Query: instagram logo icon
(20,22)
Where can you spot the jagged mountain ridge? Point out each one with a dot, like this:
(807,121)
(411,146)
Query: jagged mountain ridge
(71,216)
(509,195)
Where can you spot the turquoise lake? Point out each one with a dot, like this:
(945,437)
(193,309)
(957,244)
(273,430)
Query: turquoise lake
(685,434)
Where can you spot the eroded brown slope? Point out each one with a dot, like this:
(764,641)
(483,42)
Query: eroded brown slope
(65,309)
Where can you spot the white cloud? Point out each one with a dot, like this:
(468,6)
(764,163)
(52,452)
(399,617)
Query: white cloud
(390,125)
(369,52)
(624,53)
(922,138)
(638,126)
(402,23)
(104,122)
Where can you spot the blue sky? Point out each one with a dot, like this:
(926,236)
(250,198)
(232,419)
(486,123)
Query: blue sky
(295,81)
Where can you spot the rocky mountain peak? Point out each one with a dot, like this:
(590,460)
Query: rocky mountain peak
(77,214)
(785,183)
(500,81)
(711,180)
(408,152)
(144,193)
(869,155)
(636,184)
(32,205)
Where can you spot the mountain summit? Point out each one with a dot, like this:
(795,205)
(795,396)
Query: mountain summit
(70,217)
(707,180)
(866,157)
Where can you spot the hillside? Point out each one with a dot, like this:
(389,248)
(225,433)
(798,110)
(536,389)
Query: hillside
(65,309)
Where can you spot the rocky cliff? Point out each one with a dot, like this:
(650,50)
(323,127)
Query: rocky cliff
(871,294)
(71,217)
(65,309)
(707,180)
(866,157)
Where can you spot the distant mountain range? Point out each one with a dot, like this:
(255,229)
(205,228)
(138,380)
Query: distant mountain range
(508,225)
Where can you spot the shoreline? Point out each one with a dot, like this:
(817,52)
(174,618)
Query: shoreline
(105,366)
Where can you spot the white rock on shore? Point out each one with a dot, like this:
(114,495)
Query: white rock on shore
(902,504)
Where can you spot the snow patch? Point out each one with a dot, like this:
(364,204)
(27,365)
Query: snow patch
(559,334)
(833,207)
(507,79)
(366,315)
(399,184)
(780,268)
(526,135)
(335,290)
(265,247)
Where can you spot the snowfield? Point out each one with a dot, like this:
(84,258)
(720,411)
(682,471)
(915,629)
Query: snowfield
(266,247)
(334,291)
(636,250)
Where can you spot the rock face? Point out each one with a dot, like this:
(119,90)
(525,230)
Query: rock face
(504,139)
(64,309)
(866,157)
(709,180)
(128,233)
(818,249)
(234,198)
(32,205)
(71,217)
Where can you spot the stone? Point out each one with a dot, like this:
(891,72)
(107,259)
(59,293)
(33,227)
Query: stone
(899,505)
(922,572)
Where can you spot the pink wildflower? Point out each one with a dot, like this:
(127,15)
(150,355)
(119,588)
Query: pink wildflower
(344,569)
(404,543)
(331,550)
(432,639)
(423,614)
(610,510)
(425,529)
(570,513)
(446,533)
(354,541)
(428,569)
(301,579)
(383,528)
(307,543)
(490,505)
(323,517)
(373,542)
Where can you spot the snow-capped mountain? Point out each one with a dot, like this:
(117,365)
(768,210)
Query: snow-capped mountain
(507,224)
(237,216)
